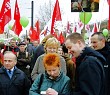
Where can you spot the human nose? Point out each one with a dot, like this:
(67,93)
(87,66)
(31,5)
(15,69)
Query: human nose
(52,73)
(6,62)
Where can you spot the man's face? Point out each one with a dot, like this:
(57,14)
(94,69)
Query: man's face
(12,43)
(9,61)
(96,44)
(35,43)
(73,49)
(22,48)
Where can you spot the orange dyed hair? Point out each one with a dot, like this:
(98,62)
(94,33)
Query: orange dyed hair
(51,59)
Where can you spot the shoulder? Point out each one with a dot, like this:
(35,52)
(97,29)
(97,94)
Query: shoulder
(61,58)
(40,57)
(1,70)
(64,77)
(19,72)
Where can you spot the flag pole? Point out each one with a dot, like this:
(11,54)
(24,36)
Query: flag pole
(26,34)
(32,12)
(83,30)
(7,33)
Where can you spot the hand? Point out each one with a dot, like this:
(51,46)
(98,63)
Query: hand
(51,91)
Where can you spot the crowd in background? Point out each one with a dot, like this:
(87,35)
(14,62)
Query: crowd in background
(85,5)
(51,68)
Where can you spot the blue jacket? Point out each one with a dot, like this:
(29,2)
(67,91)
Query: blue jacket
(17,85)
(61,84)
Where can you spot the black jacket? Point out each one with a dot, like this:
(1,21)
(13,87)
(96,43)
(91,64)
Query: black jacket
(17,85)
(90,75)
(106,53)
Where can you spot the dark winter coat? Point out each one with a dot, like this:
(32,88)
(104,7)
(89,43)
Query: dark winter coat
(106,53)
(39,51)
(23,60)
(90,75)
(70,69)
(17,85)
(60,84)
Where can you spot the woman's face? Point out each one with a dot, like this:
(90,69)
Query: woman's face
(60,51)
(53,71)
(51,49)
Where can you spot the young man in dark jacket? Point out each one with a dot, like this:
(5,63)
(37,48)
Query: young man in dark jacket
(12,80)
(90,75)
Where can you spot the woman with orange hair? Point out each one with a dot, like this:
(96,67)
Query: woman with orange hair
(53,78)
(51,46)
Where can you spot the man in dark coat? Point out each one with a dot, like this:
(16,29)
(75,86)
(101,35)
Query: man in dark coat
(90,75)
(12,80)
(98,42)
(23,59)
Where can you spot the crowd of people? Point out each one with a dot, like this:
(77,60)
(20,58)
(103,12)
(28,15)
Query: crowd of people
(51,68)
(84,5)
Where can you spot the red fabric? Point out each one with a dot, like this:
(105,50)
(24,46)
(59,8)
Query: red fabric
(75,29)
(56,16)
(109,19)
(108,2)
(68,27)
(61,38)
(17,28)
(37,25)
(45,32)
(95,28)
(34,35)
(5,14)
(1,58)
(55,35)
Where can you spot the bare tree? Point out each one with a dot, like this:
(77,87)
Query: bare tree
(45,13)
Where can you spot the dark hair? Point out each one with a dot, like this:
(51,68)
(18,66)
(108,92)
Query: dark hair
(28,39)
(65,50)
(100,35)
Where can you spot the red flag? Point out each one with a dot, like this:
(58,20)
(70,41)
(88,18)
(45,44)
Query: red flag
(74,30)
(61,38)
(17,28)
(68,27)
(108,2)
(33,34)
(37,25)
(5,14)
(56,16)
(45,32)
(87,27)
(80,24)
(109,19)
(95,28)
(55,35)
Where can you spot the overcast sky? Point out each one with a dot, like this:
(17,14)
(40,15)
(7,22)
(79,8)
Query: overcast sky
(25,5)
(65,5)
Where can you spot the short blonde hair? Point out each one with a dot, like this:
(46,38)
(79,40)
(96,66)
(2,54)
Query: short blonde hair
(51,59)
(52,42)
